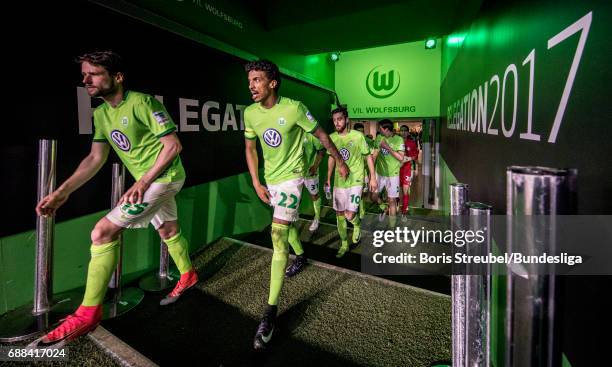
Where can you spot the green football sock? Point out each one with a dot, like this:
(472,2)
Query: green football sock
(383,206)
(317,208)
(280,242)
(392,221)
(103,262)
(341,220)
(356,221)
(361,210)
(294,240)
(178,248)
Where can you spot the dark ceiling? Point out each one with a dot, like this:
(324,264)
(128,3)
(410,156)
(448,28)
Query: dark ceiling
(314,26)
(320,26)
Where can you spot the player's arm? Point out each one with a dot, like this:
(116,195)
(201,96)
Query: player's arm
(375,155)
(253,162)
(373,184)
(88,168)
(170,150)
(343,169)
(399,155)
(331,164)
(315,166)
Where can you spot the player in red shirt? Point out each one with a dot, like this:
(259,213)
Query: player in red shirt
(412,153)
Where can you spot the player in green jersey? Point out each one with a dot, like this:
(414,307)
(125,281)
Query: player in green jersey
(143,135)
(279,123)
(366,181)
(389,154)
(347,191)
(313,154)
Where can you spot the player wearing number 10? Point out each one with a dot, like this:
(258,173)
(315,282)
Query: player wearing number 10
(347,191)
(279,123)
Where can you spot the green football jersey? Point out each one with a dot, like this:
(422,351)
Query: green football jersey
(371,143)
(352,147)
(386,164)
(281,132)
(312,146)
(133,129)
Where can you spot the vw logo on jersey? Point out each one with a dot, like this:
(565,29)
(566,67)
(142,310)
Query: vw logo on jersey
(272,137)
(345,154)
(121,141)
(384,151)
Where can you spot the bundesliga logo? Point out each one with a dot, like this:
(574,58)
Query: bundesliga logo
(272,137)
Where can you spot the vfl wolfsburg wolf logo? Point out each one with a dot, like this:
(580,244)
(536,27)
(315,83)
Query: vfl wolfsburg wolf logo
(382,85)
(272,137)
(345,154)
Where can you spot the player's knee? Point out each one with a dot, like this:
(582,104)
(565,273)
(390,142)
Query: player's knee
(349,215)
(168,230)
(101,234)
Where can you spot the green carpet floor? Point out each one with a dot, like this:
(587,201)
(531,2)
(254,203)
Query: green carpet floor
(327,317)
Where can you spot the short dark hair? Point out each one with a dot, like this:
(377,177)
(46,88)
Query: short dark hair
(358,125)
(109,60)
(386,124)
(267,67)
(404,127)
(341,110)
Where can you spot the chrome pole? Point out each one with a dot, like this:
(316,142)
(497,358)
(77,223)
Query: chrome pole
(535,196)
(458,199)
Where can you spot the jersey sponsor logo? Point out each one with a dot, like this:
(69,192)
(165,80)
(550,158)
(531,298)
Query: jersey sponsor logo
(384,151)
(309,116)
(125,121)
(160,117)
(121,141)
(345,154)
(282,121)
(272,137)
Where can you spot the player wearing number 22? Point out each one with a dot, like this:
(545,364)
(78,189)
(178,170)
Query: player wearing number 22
(347,191)
(280,124)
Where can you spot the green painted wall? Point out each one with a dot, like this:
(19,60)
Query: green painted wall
(206,213)
(391,81)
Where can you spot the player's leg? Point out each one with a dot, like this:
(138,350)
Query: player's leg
(393,190)
(285,198)
(340,201)
(405,176)
(312,184)
(351,212)
(300,258)
(178,249)
(383,184)
(104,257)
